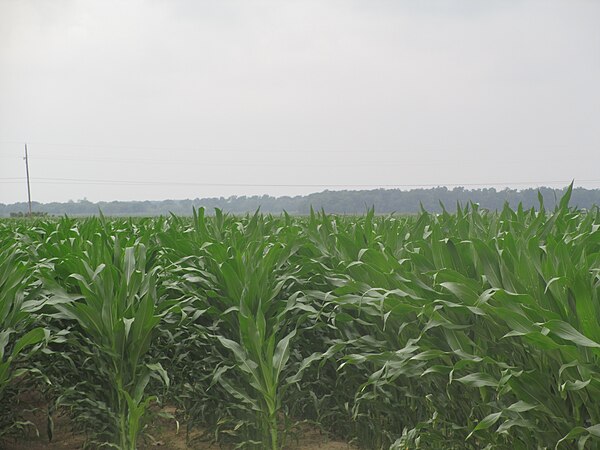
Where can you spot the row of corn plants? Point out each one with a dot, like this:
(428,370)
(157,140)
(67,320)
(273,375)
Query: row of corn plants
(20,333)
(472,329)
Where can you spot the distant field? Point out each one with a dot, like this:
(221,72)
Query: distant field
(467,330)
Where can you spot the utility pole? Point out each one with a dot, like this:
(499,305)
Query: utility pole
(28,186)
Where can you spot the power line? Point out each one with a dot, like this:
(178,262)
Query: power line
(284,149)
(187,163)
(271,163)
(76,181)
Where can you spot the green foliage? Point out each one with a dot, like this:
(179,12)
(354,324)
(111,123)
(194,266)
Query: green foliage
(19,337)
(463,330)
(107,298)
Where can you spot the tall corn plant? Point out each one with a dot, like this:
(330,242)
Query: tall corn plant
(242,280)
(470,313)
(18,310)
(112,298)
(474,329)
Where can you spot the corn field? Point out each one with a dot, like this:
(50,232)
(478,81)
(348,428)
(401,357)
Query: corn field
(464,330)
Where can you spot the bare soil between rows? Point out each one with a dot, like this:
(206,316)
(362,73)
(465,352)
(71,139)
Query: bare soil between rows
(160,434)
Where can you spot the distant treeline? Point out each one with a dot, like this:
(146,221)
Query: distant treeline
(341,202)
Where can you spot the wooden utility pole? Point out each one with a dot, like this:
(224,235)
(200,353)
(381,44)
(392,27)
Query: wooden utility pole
(28,186)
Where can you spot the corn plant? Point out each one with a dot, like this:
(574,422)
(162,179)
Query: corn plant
(243,280)
(461,330)
(470,314)
(112,299)
(18,336)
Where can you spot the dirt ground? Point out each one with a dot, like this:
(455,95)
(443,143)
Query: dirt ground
(164,436)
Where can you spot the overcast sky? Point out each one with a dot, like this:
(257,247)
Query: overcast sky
(155,99)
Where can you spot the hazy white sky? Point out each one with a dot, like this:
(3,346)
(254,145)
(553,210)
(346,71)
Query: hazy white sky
(154,99)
